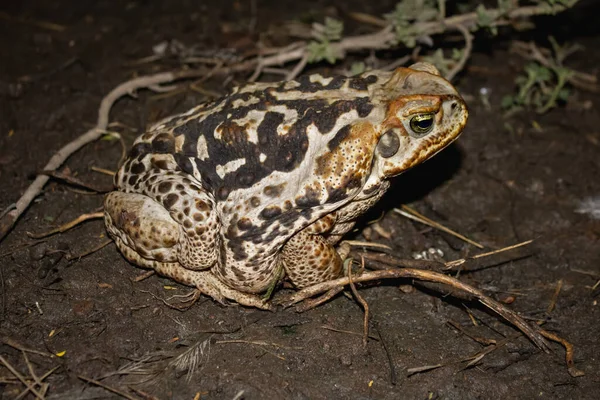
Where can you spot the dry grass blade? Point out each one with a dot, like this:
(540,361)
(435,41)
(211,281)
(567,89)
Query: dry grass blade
(331,328)
(103,171)
(40,24)
(482,341)
(76,182)
(416,370)
(65,227)
(109,388)
(86,253)
(360,243)
(15,345)
(461,261)
(557,290)
(410,213)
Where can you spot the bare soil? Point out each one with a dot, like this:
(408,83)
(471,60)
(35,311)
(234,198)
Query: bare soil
(504,181)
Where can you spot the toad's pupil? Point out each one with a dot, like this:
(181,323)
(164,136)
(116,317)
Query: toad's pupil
(424,123)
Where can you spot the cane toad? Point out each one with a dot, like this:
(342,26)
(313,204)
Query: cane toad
(271,176)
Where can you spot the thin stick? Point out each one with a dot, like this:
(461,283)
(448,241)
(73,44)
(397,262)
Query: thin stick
(67,226)
(257,343)
(47,374)
(393,376)
(461,261)
(103,386)
(12,343)
(43,386)
(466,52)
(411,213)
(88,252)
(103,171)
(310,304)
(552,304)
(361,300)
(76,182)
(331,328)
(298,68)
(21,378)
(573,371)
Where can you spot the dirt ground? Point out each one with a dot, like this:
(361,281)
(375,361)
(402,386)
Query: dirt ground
(504,181)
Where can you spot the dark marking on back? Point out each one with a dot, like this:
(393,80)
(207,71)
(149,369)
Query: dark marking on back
(160,164)
(140,149)
(362,83)
(306,86)
(339,137)
(310,199)
(274,190)
(138,168)
(170,200)
(164,187)
(222,193)
(244,224)
(163,143)
(184,163)
(270,212)
(336,194)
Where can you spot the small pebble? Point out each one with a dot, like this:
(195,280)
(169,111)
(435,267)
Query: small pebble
(346,360)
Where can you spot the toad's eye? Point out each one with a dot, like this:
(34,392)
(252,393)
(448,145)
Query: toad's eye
(421,124)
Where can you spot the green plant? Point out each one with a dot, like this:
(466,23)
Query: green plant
(324,34)
(544,83)
(407,15)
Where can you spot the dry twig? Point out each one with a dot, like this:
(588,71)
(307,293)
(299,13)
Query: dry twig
(411,213)
(109,388)
(128,87)
(75,181)
(65,227)
(86,253)
(360,299)
(20,377)
(531,332)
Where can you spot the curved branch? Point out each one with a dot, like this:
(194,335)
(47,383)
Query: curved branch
(35,188)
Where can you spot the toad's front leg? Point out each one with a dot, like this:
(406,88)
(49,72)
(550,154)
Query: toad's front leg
(310,258)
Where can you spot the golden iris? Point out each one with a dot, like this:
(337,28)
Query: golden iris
(422,124)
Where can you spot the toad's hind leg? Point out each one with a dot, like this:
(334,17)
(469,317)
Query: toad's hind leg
(147,236)
(184,231)
(308,258)
(205,281)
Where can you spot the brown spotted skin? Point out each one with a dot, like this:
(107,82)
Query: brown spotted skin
(272,176)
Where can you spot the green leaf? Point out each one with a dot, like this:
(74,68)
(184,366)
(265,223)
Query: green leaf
(508,101)
(357,68)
